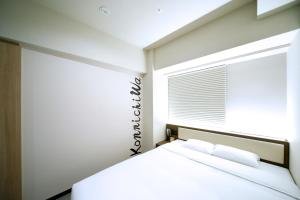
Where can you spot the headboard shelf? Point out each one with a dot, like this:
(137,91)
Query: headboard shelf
(237,140)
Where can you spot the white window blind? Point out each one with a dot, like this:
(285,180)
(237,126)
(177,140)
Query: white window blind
(198,98)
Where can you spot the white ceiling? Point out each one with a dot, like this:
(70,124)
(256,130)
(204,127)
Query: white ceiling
(135,21)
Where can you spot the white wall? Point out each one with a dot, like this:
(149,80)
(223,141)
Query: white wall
(256,96)
(30,23)
(293,106)
(76,120)
(265,8)
(234,29)
(148,104)
(155,105)
(160,106)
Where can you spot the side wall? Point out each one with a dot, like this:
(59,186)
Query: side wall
(293,106)
(32,24)
(155,105)
(148,104)
(76,121)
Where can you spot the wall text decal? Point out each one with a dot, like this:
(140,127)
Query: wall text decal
(136,122)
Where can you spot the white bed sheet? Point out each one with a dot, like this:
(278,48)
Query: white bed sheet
(174,172)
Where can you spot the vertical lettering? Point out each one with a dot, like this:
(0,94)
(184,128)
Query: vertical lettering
(136,92)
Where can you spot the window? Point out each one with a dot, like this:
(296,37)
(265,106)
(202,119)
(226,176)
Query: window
(247,97)
(198,98)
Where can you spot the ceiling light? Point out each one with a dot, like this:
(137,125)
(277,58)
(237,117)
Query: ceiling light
(159,10)
(104,10)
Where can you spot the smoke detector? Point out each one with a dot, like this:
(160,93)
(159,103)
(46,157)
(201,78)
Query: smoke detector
(104,10)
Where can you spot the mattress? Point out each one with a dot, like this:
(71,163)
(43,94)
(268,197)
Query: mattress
(175,172)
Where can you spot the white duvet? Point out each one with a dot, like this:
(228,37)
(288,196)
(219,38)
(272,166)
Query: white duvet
(175,172)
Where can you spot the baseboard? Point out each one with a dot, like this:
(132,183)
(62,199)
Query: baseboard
(60,194)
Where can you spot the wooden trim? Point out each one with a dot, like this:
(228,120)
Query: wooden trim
(60,194)
(273,163)
(162,143)
(286,161)
(10,121)
(285,143)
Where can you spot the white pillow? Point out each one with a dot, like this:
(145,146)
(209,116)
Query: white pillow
(236,155)
(199,145)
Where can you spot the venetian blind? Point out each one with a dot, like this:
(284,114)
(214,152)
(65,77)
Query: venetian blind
(198,98)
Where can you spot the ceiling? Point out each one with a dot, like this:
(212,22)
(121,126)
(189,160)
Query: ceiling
(138,22)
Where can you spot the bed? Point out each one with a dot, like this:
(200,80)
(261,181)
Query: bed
(173,171)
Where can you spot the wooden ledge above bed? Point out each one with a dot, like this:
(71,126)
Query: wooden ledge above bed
(279,155)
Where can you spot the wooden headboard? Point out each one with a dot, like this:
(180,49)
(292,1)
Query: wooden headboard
(272,151)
